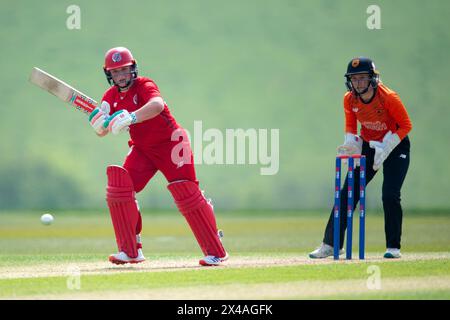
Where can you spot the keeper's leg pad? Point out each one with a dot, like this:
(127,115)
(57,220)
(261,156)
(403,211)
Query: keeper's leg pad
(123,208)
(199,214)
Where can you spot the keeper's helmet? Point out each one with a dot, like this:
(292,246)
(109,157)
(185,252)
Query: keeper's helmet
(361,65)
(117,58)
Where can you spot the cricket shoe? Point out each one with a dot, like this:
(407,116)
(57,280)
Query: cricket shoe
(324,251)
(392,253)
(210,261)
(123,258)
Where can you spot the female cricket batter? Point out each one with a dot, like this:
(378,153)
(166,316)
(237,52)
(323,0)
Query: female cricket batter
(384,141)
(134,104)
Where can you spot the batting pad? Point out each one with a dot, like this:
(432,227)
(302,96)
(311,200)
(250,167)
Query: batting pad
(125,216)
(199,214)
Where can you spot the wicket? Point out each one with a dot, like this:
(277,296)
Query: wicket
(362,205)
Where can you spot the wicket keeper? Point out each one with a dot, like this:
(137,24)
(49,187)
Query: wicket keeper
(383,139)
(134,104)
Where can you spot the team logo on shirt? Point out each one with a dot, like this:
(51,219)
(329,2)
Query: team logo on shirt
(135,99)
(116,57)
(355,109)
(379,110)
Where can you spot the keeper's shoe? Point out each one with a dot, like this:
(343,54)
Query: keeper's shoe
(210,261)
(123,258)
(324,251)
(392,253)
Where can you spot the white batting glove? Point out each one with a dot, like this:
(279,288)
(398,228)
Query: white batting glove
(384,148)
(120,121)
(352,145)
(97,118)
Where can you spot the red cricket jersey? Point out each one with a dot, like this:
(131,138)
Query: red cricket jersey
(150,132)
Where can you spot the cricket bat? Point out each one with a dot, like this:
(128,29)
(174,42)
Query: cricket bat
(62,90)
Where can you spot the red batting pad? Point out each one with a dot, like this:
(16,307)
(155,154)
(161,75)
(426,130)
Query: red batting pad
(123,209)
(199,214)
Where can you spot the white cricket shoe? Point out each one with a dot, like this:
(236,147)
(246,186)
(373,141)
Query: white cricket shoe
(392,253)
(123,258)
(210,261)
(324,251)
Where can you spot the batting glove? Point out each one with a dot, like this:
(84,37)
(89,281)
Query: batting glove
(97,119)
(120,121)
(384,148)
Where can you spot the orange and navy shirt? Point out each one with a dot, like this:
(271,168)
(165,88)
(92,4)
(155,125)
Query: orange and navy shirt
(152,131)
(384,113)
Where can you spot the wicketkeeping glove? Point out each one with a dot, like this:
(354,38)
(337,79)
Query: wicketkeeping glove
(97,118)
(383,149)
(120,121)
(352,145)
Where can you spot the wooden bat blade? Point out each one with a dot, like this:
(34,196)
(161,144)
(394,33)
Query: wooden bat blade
(62,90)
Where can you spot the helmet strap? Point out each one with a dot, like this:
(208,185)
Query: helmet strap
(129,83)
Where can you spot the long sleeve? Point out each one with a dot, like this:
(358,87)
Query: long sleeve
(398,112)
(351,125)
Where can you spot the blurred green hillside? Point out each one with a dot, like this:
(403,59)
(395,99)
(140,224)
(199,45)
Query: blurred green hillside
(234,64)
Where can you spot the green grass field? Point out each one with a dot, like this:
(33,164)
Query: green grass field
(268,259)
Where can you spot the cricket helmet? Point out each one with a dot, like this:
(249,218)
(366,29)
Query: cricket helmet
(117,58)
(362,65)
